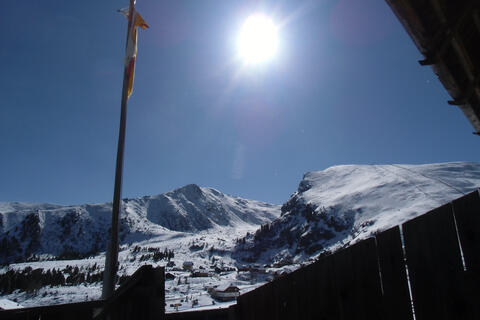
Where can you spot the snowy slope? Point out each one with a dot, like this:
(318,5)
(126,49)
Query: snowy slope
(77,231)
(331,208)
(195,224)
(192,208)
(344,204)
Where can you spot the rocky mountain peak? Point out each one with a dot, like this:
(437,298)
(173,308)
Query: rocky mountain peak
(344,204)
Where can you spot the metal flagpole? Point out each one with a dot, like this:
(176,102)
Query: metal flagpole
(111,257)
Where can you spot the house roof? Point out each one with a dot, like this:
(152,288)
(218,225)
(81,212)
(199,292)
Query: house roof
(6,304)
(447,33)
(225,286)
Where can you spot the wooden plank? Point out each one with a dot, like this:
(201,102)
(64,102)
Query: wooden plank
(467,215)
(435,266)
(286,297)
(240,312)
(357,281)
(256,304)
(396,299)
(218,314)
(326,306)
(367,279)
(261,300)
(232,312)
(273,304)
(294,294)
(309,294)
(299,291)
(279,298)
(245,306)
(253,304)
(241,304)
(344,283)
(274,301)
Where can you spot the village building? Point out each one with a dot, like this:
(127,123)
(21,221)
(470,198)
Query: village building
(188,265)
(225,292)
(200,274)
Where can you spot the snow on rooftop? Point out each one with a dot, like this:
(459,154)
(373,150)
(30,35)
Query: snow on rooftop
(6,304)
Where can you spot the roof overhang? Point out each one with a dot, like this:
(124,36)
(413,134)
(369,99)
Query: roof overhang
(447,33)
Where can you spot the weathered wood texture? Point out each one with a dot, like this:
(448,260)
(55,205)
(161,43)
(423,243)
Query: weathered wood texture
(345,285)
(357,281)
(142,297)
(435,265)
(396,299)
(324,290)
(369,279)
(447,33)
(467,215)
(217,314)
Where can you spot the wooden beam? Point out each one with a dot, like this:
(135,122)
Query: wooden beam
(448,33)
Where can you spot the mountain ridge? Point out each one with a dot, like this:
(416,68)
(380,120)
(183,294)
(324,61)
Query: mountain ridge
(331,209)
(81,230)
(343,204)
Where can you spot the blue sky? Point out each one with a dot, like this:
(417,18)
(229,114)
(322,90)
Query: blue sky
(344,88)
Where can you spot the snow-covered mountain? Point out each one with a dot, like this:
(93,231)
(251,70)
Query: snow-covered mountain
(331,208)
(77,231)
(343,204)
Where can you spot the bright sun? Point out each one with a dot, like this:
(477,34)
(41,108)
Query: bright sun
(257,41)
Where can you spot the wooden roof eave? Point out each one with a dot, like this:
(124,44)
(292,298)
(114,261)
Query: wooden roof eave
(432,45)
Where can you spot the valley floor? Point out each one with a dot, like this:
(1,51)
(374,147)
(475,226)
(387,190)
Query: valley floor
(209,251)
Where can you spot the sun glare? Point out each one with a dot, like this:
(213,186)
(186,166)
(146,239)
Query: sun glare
(257,41)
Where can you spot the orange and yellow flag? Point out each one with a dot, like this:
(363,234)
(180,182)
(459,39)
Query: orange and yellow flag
(131,50)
